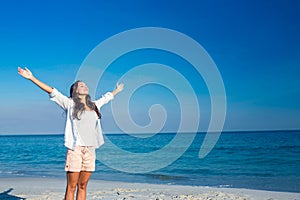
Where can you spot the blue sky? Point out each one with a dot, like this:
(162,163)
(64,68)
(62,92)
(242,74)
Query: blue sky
(255,45)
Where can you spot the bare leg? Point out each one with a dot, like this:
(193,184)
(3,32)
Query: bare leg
(84,178)
(72,180)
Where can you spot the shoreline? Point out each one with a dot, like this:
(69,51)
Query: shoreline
(54,188)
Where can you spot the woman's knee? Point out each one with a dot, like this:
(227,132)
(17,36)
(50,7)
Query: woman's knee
(82,185)
(71,186)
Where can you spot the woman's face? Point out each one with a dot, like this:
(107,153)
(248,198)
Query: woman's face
(82,89)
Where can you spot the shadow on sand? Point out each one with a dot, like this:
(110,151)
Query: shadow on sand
(6,196)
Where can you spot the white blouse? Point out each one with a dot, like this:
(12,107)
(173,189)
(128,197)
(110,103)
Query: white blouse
(71,129)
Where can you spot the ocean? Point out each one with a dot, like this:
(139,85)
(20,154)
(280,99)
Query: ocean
(265,160)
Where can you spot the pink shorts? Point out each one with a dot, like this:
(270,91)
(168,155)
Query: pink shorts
(80,159)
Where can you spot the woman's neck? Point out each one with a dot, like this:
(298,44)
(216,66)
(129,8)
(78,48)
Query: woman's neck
(83,100)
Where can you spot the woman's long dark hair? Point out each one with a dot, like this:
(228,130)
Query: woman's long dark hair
(78,106)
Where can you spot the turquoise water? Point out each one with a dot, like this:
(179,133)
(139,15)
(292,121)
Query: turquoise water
(254,160)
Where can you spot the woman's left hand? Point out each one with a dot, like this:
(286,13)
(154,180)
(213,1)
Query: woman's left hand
(119,87)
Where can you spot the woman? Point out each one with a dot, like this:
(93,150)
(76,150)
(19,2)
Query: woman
(82,131)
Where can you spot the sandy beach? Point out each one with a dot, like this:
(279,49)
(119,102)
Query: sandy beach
(53,188)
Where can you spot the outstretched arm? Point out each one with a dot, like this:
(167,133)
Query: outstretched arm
(109,96)
(119,88)
(26,73)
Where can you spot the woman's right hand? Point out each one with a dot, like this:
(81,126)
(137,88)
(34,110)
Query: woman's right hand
(26,73)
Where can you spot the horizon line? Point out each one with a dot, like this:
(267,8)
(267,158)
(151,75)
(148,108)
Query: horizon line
(166,132)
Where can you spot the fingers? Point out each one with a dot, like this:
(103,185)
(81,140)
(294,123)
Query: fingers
(25,68)
(20,70)
(119,87)
(26,73)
